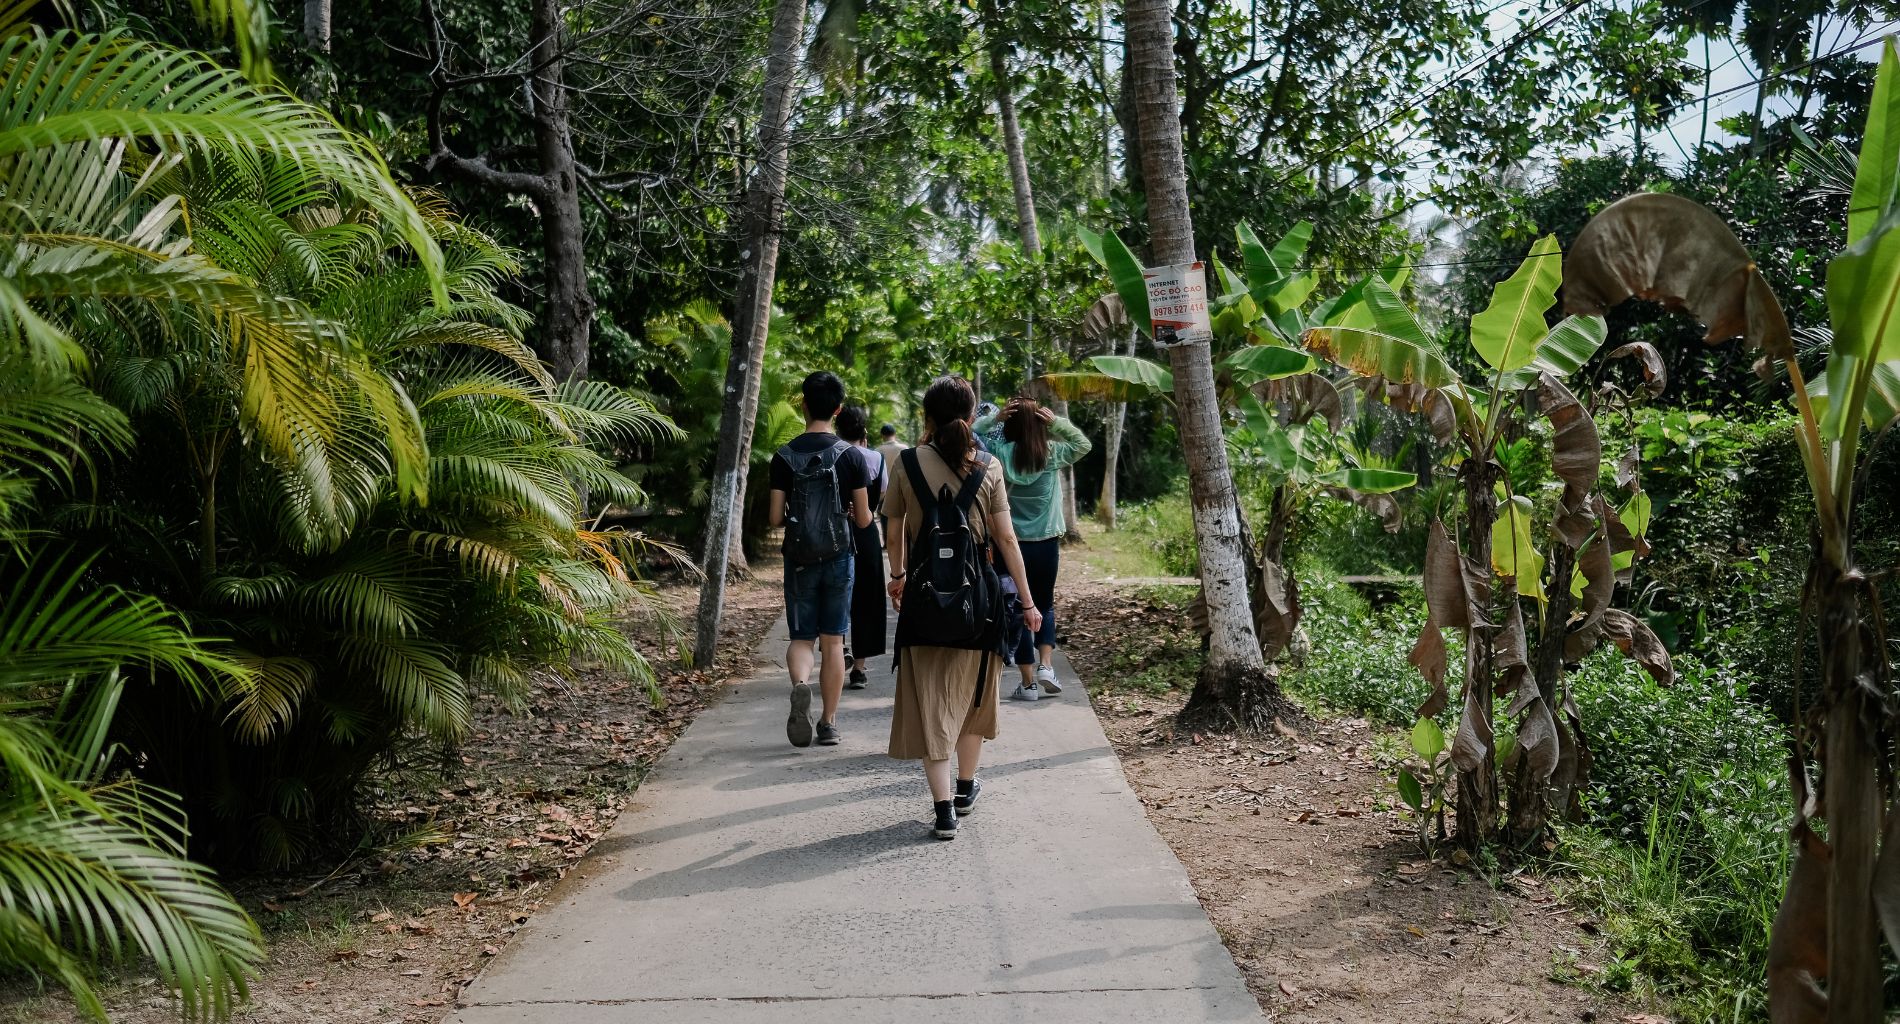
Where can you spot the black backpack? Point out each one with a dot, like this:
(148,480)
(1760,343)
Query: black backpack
(952,597)
(817,527)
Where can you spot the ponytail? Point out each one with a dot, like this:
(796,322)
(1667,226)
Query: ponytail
(948,405)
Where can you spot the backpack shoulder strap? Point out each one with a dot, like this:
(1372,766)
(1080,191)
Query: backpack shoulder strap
(966,496)
(914,471)
(830,456)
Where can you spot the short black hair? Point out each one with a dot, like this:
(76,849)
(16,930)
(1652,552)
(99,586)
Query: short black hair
(824,393)
(887,430)
(851,423)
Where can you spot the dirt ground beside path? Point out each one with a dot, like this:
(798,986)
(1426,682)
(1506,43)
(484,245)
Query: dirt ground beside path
(1319,891)
(392,934)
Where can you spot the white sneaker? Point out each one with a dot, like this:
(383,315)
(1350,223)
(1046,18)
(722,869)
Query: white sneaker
(1026,691)
(1046,679)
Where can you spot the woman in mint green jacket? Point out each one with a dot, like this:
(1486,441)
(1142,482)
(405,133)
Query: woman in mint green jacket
(1035,446)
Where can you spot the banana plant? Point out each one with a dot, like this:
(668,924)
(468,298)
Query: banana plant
(1592,548)
(1273,395)
(1824,960)
(1382,342)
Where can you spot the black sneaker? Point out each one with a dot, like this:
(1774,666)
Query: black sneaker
(857,680)
(798,726)
(946,827)
(827,734)
(967,792)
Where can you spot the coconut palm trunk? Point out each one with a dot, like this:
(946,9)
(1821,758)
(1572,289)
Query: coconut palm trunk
(1116,417)
(765,211)
(1234,690)
(1030,234)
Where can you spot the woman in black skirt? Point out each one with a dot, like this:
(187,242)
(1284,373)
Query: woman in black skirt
(868,601)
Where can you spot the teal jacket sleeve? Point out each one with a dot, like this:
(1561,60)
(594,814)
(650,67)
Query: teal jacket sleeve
(985,424)
(1068,445)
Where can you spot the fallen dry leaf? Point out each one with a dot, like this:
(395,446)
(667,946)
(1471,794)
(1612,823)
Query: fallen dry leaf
(463,899)
(381,916)
(1288,989)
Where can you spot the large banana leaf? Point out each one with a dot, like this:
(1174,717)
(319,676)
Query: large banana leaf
(1877,174)
(1863,283)
(1513,555)
(1560,353)
(1369,481)
(1863,304)
(1115,378)
(1506,333)
(1394,348)
(1124,271)
(1257,363)
(1272,276)
(1135,370)
(1084,386)
(1883,395)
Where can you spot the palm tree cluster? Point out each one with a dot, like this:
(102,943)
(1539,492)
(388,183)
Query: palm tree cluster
(280,486)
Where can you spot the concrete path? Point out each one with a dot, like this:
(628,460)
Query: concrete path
(750,881)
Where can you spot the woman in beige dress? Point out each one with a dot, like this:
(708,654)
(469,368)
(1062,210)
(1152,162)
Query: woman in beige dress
(943,707)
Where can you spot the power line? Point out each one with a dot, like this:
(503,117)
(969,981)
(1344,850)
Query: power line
(1871,37)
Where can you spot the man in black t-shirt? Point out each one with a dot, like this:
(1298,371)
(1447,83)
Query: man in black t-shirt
(818,594)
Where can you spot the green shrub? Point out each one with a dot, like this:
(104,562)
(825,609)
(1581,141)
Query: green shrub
(1683,847)
(1686,856)
(1355,662)
(1166,524)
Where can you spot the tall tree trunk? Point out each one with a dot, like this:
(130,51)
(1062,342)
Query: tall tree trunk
(765,210)
(1013,149)
(1030,233)
(1851,792)
(570,314)
(1234,690)
(319,85)
(316,25)
(568,317)
(1117,417)
(1477,807)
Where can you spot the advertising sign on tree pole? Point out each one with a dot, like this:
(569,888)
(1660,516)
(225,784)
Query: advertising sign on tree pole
(1177,304)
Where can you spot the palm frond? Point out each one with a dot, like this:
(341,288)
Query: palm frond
(66,88)
(54,628)
(74,876)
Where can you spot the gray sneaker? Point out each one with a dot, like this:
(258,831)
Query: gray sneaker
(1046,679)
(857,680)
(1026,691)
(798,726)
(828,735)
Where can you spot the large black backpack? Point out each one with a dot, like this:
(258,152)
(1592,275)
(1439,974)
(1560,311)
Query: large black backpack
(952,597)
(817,527)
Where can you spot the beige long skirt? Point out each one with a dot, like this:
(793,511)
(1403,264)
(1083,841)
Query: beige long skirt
(937,701)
